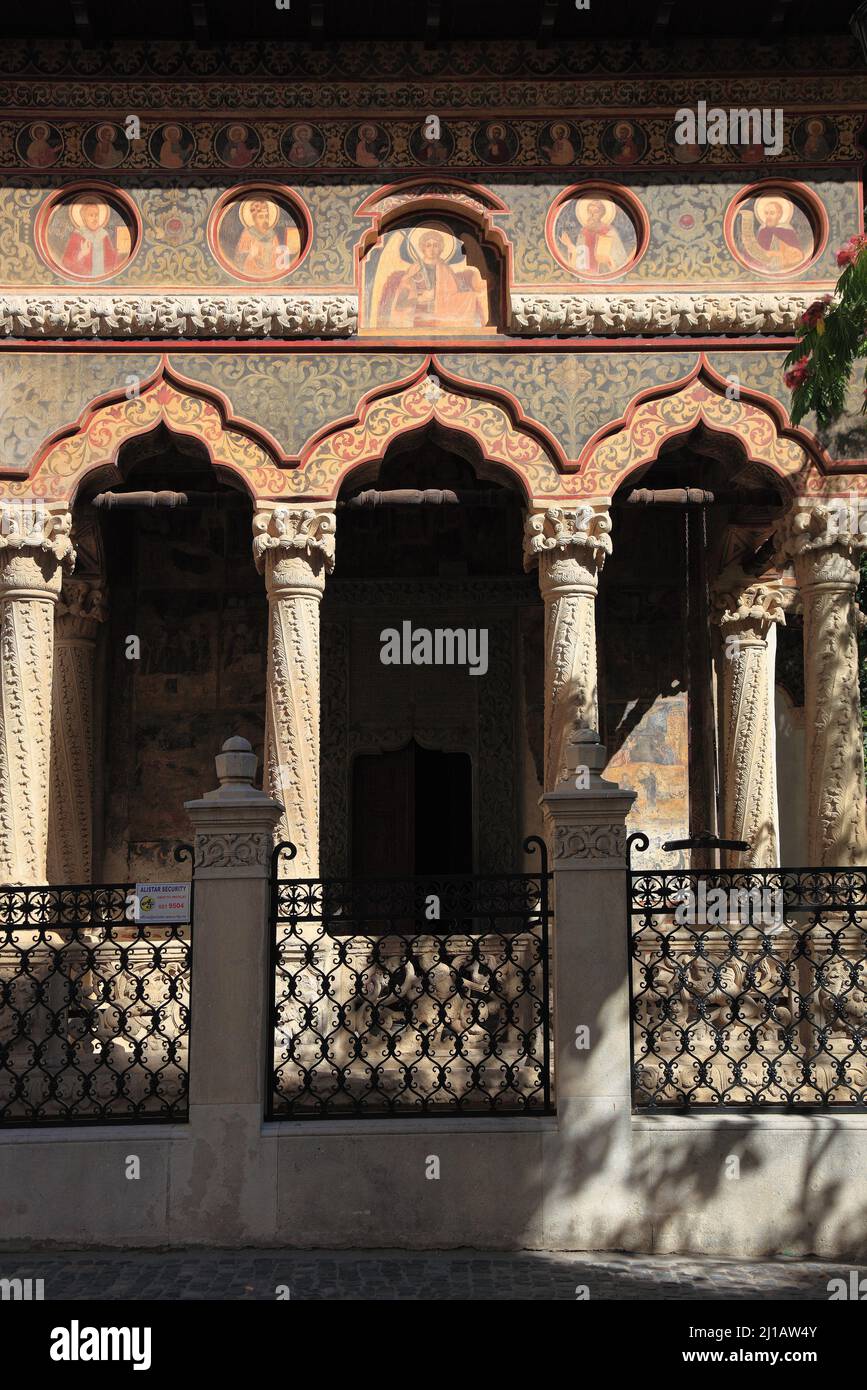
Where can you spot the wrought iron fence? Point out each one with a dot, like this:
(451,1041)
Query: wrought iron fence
(420,996)
(94,1008)
(748,986)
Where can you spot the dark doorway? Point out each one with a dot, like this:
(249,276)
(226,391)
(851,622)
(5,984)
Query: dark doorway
(412,813)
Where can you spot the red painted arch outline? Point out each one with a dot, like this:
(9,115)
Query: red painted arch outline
(791,452)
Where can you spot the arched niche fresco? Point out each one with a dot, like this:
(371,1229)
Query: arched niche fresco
(433,276)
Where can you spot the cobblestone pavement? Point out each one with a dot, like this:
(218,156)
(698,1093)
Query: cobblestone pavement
(434,1275)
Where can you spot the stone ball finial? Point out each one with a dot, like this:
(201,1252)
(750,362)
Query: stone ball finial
(236,762)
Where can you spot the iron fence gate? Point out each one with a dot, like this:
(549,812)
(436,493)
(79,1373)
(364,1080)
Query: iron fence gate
(748,986)
(420,996)
(94,1007)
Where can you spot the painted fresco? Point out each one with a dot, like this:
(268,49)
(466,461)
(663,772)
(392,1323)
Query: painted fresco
(686,245)
(257,235)
(594,236)
(560,143)
(687,214)
(172,145)
(105,145)
(773,234)
(303,145)
(87,236)
(237,145)
(605,60)
(292,396)
(434,277)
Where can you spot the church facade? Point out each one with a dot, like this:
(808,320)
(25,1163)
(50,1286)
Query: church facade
(424,424)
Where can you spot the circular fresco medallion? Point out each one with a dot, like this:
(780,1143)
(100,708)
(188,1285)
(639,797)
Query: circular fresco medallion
(559,143)
(172,145)
(105,145)
(775,230)
(237,145)
(302,145)
(432,145)
(495,143)
(88,233)
(367,144)
(39,145)
(259,234)
(597,232)
(623,142)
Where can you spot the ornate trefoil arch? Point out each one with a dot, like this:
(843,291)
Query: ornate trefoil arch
(431,395)
(704,397)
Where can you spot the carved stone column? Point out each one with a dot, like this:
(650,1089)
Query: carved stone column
(295,549)
(570,548)
(824,551)
(746,610)
(80,610)
(34,548)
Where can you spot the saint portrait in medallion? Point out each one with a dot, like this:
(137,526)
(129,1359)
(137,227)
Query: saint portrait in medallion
(257,235)
(772,234)
(594,236)
(87,236)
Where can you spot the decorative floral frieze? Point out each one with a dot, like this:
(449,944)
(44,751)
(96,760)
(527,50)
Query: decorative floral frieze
(606,842)
(619,313)
(330,315)
(178,316)
(232,851)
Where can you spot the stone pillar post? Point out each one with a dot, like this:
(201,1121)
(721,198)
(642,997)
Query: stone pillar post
(746,610)
(824,549)
(220,1182)
(295,549)
(570,548)
(79,612)
(35,546)
(591,1002)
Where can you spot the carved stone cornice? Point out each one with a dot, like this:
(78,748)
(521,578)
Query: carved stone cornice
(63,316)
(611,314)
(579,532)
(625,313)
(294,533)
(30,529)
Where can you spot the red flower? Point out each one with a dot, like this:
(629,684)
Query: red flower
(815,312)
(850,252)
(797,375)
